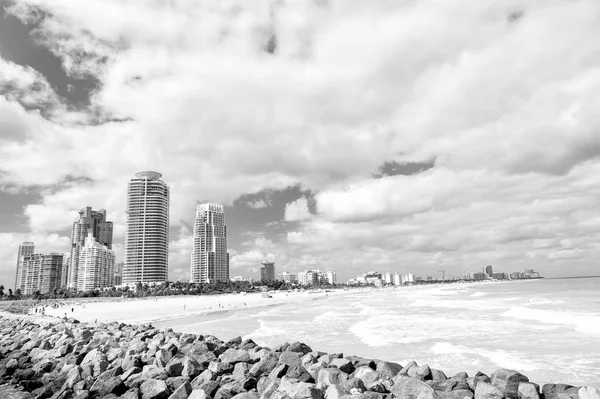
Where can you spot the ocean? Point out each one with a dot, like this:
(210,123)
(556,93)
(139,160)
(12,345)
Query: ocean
(547,329)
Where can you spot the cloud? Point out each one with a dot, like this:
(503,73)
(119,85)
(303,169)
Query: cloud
(242,97)
(259,203)
(297,210)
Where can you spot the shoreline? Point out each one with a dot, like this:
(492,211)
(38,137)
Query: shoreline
(130,361)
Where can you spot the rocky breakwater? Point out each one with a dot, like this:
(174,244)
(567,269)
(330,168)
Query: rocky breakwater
(69,360)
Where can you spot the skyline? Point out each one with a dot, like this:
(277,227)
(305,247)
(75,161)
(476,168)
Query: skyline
(410,137)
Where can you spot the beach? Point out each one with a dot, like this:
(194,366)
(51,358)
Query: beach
(160,309)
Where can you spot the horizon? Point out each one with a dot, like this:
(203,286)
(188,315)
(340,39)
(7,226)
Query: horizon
(404,138)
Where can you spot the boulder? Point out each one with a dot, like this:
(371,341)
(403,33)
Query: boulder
(299,347)
(508,381)
(154,389)
(291,358)
(330,376)
(183,392)
(343,364)
(388,369)
(485,390)
(528,390)
(299,390)
(555,391)
(234,356)
(406,387)
(457,394)
(175,366)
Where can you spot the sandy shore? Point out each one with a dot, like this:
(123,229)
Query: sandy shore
(154,309)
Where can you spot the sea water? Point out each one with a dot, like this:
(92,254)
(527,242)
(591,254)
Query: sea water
(547,329)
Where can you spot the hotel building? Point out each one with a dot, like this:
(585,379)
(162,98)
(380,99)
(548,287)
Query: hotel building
(96,265)
(209,260)
(102,231)
(147,233)
(40,272)
(25,249)
(267,271)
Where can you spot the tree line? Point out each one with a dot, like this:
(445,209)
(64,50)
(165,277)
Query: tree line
(165,289)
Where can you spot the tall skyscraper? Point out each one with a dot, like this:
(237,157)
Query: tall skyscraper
(267,271)
(25,249)
(147,235)
(96,265)
(40,272)
(102,231)
(210,260)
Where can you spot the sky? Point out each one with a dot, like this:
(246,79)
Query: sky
(396,136)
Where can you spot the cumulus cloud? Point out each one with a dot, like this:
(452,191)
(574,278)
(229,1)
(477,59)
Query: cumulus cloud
(297,210)
(241,97)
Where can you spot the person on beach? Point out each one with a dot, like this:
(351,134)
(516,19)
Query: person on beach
(183,306)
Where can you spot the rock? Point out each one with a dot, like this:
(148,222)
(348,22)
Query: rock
(476,380)
(183,392)
(588,393)
(330,376)
(264,366)
(198,394)
(343,364)
(388,369)
(154,389)
(247,395)
(114,385)
(220,368)
(234,356)
(420,372)
(173,383)
(278,372)
(457,394)
(508,381)
(438,375)
(366,374)
(131,394)
(299,390)
(269,388)
(485,390)
(528,390)
(299,347)
(299,373)
(291,358)
(175,366)
(555,391)
(406,387)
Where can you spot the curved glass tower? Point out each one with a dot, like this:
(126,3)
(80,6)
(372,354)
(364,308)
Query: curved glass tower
(147,235)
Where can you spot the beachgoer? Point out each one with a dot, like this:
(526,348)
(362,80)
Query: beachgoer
(183,307)
(72,310)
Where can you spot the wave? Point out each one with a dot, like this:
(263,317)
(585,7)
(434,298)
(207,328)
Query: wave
(500,357)
(582,322)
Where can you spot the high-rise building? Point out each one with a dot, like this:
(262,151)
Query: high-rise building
(331,278)
(147,233)
(96,265)
(289,277)
(308,277)
(40,272)
(118,280)
(267,271)
(102,231)
(210,260)
(25,249)
(489,271)
(397,279)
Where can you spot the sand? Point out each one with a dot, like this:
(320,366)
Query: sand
(154,309)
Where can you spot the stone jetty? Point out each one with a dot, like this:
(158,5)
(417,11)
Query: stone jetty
(72,360)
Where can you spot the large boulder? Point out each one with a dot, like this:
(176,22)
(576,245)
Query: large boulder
(508,381)
(154,389)
(299,347)
(528,390)
(556,391)
(330,376)
(234,356)
(486,390)
(414,388)
(299,390)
